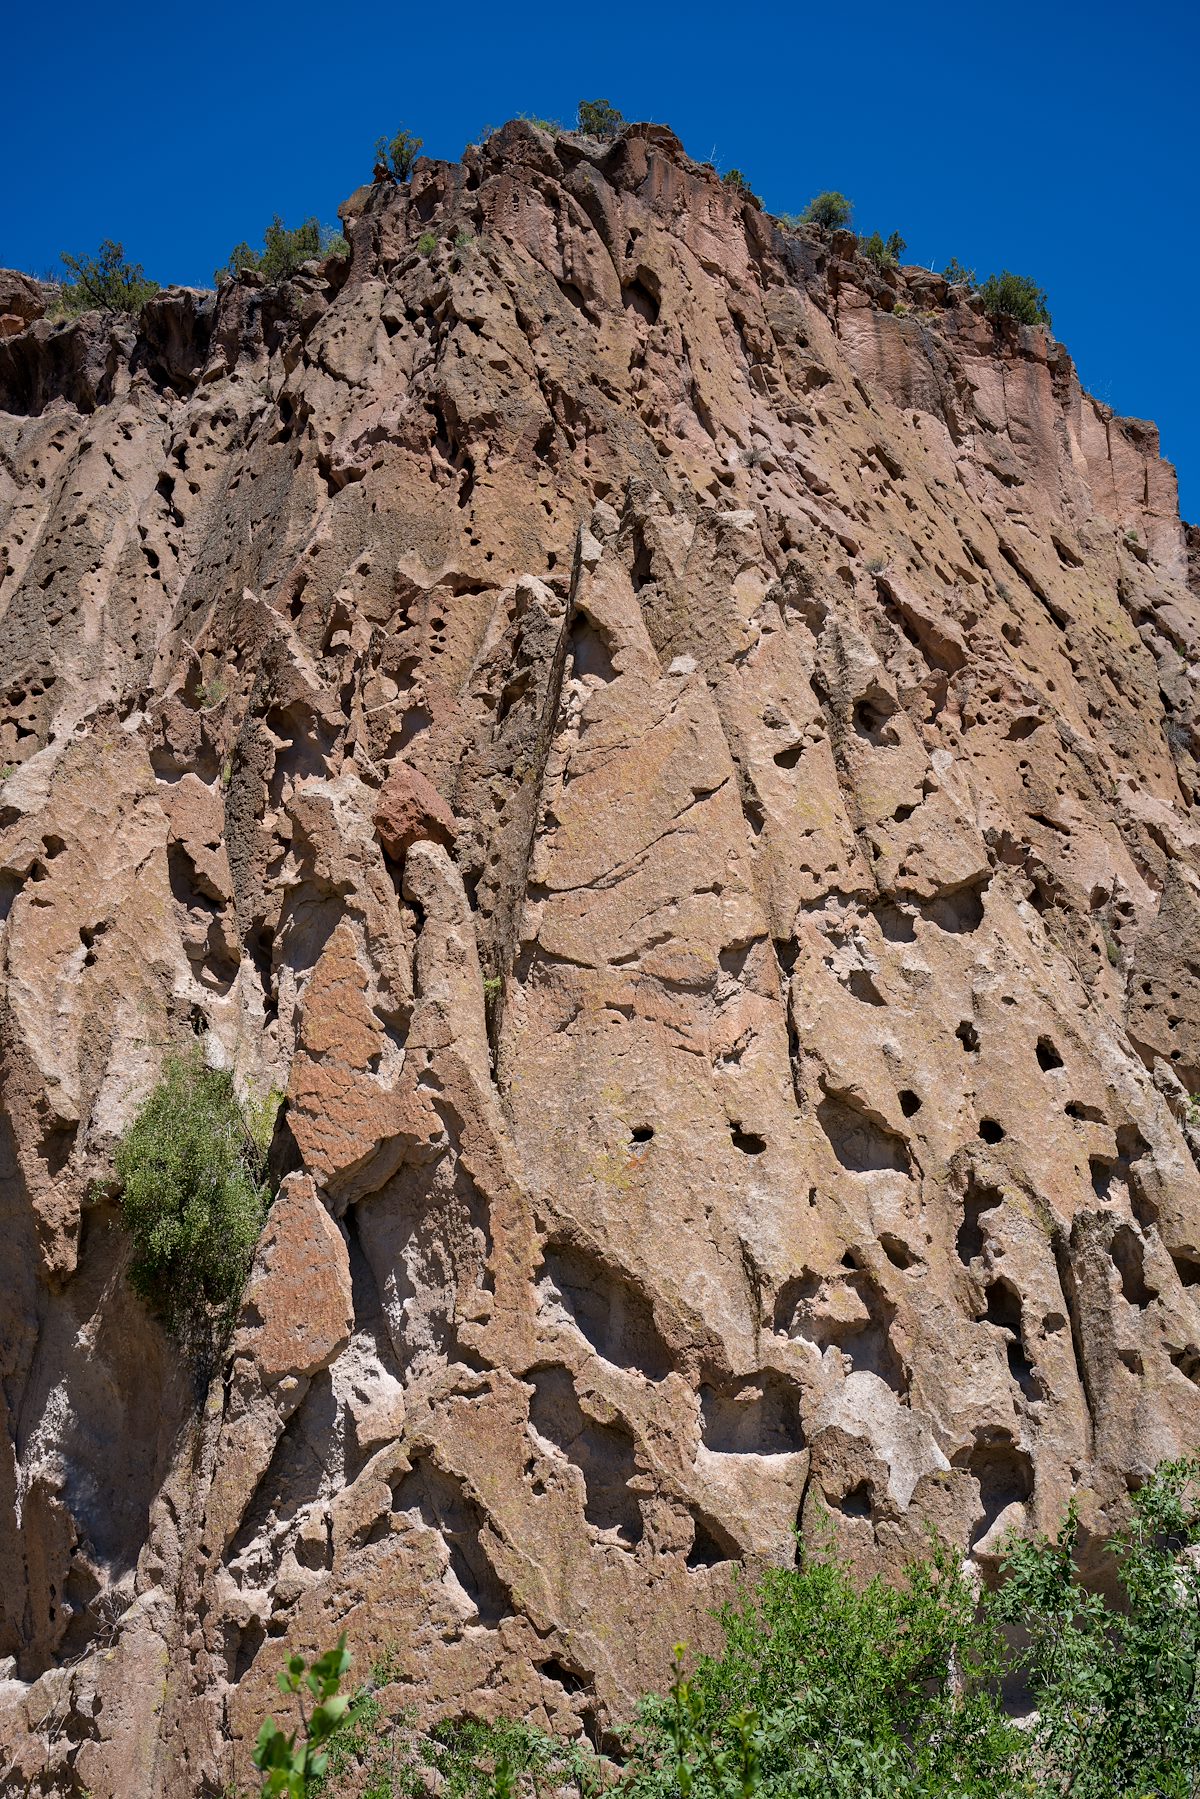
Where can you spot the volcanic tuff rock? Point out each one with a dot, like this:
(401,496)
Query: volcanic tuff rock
(677,751)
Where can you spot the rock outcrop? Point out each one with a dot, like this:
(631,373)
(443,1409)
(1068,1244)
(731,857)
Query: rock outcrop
(677,751)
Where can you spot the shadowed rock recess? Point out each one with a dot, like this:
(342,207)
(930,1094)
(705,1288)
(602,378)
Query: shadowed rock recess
(678,752)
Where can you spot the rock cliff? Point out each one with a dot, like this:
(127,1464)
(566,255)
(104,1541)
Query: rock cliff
(677,751)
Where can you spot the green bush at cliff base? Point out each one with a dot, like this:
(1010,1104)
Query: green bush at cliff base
(193,1197)
(1014,297)
(283,251)
(105,282)
(825,1689)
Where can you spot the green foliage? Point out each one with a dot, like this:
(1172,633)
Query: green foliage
(193,1197)
(954,275)
(737,181)
(1117,1689)
(553,126)
(103,283)
(598,119)
(885,253)
(832,211)
(427,243)
(826,1692)
(1015,297)
(398,154)
(283,251)
(292,1764)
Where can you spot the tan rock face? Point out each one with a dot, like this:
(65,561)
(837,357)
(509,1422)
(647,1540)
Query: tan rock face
(678,756)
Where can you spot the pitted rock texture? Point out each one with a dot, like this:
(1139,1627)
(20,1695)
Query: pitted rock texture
(677,753)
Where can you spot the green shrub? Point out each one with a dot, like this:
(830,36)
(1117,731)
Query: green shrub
(598,119)
(737,181)
(885,253)
(102,283)
(831,211)
(283,251)
(193,1197)
(553,126)
(1014,297)
(427,243)
(1116,1688)
(292,1765)
(398,154)
(828,1690)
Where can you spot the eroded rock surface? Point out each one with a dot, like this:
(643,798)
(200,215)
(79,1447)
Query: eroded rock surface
(677,753)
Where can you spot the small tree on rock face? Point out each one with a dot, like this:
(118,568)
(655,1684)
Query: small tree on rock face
(398,154)
(193,1198)
(598,119)
(104,283)
(831,211)
(1017,297)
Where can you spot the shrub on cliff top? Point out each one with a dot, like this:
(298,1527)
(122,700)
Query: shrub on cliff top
(398,154)
(283,251)
(832,211)
(102,283)
(733,178)
(193,1197)
(598,119)
(1014,297)
(885,253)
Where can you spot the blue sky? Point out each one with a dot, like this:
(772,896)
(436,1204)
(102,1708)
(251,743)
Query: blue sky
(1058,141)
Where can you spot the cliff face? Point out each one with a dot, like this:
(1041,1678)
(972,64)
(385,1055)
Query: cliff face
(678,753)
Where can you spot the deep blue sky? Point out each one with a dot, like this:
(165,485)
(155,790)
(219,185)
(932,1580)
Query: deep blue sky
(1058,140)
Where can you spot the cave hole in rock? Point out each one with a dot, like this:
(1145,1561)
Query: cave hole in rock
(870,717)
(431,1498)
(1047,1056)
(991,1131)
(1187,1266)
(642,1133)
(606,1308)
(711,1543)
(896,925)
(788,758)
(604,1454)
(857,1502)
(758,1415)
(961,910)
(897,1251)
(910,1102)
(1187,1360)
(977,1200)
(860,1139)
(849,1312)
(860,984)
(1129,1260)
(571,1680)
(968,1036)
(748,1142)
(1004,1475)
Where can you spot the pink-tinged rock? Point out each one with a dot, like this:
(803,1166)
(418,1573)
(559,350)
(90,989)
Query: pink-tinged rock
(410,807)
(298,1306)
